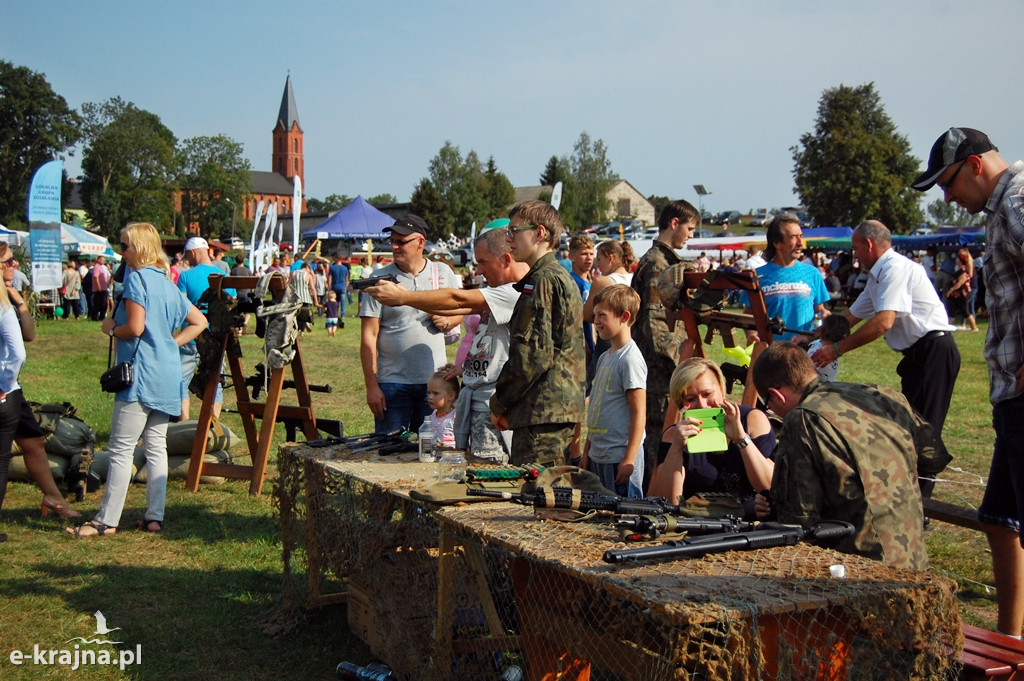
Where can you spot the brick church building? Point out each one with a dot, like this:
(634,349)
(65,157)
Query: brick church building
(278,185)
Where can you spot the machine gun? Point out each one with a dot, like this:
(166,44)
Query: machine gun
(767,535)
(637,528)
(581,500)
(259,379)
(356,440)
(360,284)
(726,321)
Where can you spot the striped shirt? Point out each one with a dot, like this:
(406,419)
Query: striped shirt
(1004,283)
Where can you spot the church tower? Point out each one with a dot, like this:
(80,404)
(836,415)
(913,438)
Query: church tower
(288,154)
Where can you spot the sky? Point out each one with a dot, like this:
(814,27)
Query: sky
(681,93)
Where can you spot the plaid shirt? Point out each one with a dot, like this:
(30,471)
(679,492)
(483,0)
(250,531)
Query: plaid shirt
(1004,283)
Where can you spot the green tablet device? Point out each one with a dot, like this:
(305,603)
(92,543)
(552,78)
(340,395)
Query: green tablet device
(712,435)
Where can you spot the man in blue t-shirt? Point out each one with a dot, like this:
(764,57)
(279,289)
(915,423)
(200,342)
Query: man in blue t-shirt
(337,281)
(793,290)
(193,282)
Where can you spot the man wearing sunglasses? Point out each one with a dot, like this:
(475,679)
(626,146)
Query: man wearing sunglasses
(539,393)
(400,347)
(967,167)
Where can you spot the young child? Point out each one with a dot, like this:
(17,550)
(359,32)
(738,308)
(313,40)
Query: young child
(333,307)
(833,329)
(442,390)
(617,412)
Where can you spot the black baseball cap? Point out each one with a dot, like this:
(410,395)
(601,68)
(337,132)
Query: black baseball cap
(954,146)
(408,224)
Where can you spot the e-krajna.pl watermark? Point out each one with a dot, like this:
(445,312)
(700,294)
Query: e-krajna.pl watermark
(79,655)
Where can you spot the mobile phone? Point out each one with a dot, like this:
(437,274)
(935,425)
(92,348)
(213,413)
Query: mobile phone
(711,437)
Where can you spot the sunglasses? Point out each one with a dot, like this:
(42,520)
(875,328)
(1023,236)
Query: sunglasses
(396,242)
(952,178)
(124,247)
(10,262)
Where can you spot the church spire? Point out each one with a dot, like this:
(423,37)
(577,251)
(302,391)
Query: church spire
(288,115)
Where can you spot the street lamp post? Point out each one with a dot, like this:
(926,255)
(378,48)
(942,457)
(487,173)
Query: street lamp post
(701,193)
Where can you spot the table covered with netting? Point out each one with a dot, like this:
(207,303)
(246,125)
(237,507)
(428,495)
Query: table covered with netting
(465,591)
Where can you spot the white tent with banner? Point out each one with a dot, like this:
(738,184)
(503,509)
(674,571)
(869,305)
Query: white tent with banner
(77,240)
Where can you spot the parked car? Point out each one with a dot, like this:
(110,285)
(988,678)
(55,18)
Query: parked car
(633,224)
(761,219)
(707,216)
(730,216)
(703,234)
(922,230)
(233,241)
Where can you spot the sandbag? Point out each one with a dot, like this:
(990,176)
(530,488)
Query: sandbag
(66,434)
(18,471)
(177,467)
(98,469)
(182,435)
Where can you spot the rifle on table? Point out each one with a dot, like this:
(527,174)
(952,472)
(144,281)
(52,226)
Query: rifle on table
(639,527)
(581,500)
(359,442)
(767,535)
(360,284)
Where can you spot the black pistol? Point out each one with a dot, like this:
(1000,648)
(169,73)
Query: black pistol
(360,284)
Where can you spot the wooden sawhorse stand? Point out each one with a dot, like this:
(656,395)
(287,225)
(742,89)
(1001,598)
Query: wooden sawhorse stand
(258,443)
(745,280)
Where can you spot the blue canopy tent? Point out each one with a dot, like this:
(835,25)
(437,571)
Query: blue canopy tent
(357,220)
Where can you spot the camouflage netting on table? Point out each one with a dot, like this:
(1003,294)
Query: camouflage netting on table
(466,591)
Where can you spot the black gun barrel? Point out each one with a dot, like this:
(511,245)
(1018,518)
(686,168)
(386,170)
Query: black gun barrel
(582,500)
(360,284)
(766,536)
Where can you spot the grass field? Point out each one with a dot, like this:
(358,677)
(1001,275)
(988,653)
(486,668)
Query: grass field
(198,598)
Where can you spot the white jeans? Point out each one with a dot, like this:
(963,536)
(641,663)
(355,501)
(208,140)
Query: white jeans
(131,421)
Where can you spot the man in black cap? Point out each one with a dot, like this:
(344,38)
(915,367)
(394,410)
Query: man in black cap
(967,167)
(401,347)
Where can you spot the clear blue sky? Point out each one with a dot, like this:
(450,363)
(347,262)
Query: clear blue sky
(682,93)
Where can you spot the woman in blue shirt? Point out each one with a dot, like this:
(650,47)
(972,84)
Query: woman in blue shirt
(144,324)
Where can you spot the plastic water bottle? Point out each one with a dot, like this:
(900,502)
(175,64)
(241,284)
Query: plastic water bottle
(426,439)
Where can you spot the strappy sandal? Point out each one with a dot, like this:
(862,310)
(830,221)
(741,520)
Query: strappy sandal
(101,529)
(144,525)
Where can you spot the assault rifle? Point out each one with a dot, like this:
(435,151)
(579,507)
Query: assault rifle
(257,380)
(726,321)
(581,500)
(767,535)
(360,284)
(357,440)
(636,528)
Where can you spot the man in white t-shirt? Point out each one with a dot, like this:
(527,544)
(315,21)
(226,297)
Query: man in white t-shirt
(489,348)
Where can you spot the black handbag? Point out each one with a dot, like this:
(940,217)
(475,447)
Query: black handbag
(120,376)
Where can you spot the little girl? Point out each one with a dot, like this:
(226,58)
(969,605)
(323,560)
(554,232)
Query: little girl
(441,394)
(331,324)
(833,329)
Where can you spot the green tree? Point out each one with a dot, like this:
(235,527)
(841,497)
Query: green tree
(461,184)
(128,166)
(428,203)
(855,165)
(498,191)
(557,170)
(333,202)
(382,200)
(36,125)
(212,169)
(658,202)
(943,213)
(587,188)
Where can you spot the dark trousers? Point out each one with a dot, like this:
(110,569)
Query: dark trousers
(99,306)
(928,373)
(10,415)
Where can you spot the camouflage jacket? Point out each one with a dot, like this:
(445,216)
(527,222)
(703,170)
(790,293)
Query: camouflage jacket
(659,346)
(849,452)
(544,378)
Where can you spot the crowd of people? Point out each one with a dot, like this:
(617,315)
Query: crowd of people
(551,345)
(591,338)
